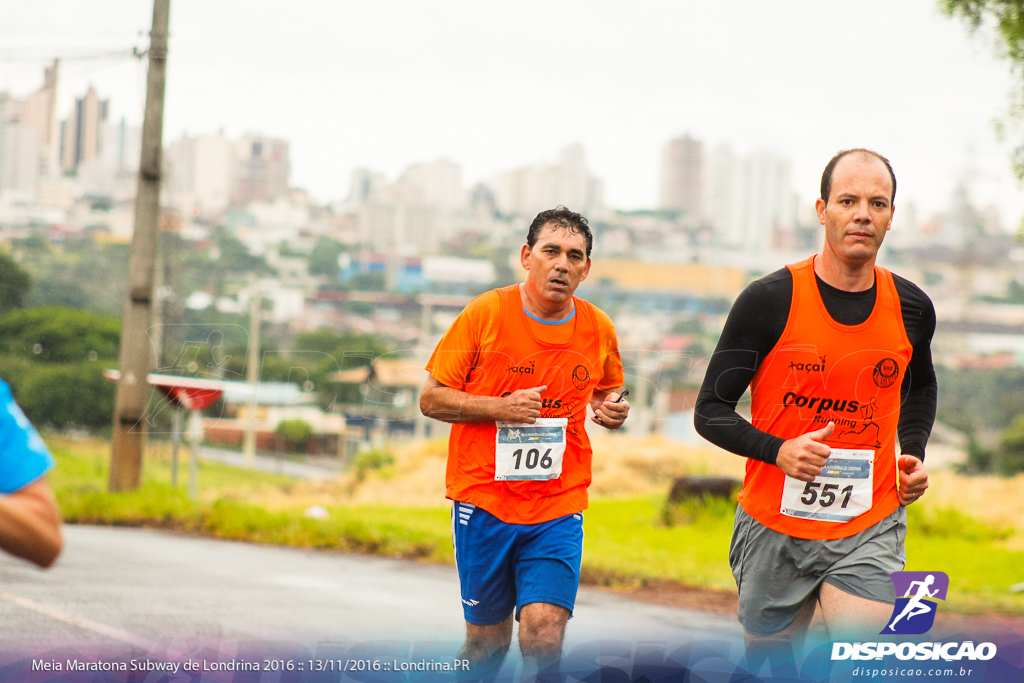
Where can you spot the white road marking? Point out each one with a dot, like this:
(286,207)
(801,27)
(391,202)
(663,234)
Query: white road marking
(102,629)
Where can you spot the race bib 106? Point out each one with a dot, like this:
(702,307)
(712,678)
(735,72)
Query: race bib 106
(529,451)
(840,493)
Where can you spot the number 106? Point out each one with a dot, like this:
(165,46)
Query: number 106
(533,457)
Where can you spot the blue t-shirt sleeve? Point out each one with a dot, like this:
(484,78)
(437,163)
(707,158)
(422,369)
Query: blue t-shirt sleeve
(23,455)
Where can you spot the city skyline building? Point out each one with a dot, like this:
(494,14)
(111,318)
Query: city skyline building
(208,173)
(528,190)
(262,169)
(748,200)
(683,178)
(365,185)
(41,114)
(80,141)
(19,153)
(28,129)
(199,177)
(437,184)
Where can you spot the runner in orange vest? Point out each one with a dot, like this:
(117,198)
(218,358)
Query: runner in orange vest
(514,375)
(836,352)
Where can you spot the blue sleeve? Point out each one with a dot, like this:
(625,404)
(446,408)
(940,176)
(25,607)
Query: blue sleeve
(23,455)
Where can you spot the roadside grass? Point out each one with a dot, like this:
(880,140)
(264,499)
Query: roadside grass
(982,559)
(225,508)
(398,510)
(626,538)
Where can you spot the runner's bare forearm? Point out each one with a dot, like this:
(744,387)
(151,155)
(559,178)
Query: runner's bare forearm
(30,524)
(447,404)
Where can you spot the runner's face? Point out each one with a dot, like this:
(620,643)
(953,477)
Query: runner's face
(859,209)
(557,264)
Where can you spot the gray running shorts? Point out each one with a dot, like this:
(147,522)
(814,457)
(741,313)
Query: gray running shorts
(777,574)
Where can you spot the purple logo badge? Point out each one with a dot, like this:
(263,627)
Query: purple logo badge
(916,595)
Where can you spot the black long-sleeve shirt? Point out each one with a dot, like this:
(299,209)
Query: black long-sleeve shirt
(755,325)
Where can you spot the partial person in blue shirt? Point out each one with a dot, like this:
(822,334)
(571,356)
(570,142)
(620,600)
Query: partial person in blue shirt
(29,518)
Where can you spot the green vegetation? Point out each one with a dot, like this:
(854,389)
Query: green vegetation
(627,541)
(975,556)
(1011,448)
(59,335)
(295,433)
(14,283)
(979,401)
(323,353)
(973,399)
(81,273)
(1008,18)
(985,401)
(374,459)
(225,509)
(53,358)
(323,260)
(627,538)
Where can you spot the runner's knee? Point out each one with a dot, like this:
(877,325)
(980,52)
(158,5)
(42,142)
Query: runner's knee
(542,629)
(488,643)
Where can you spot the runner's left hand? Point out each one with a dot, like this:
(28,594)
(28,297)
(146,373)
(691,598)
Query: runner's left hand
(610,414)
(913,478)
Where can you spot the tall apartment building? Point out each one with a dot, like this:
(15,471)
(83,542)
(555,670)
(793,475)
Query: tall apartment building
(366,186)
(411,215)
(750,203)
(207,173)
(28,135)
(19,153)
(40,114)
(682,177)
(437,184)
(531,189)
(80,142)
(199,173)
(262,169)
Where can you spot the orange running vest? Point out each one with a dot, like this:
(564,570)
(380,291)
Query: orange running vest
(819,372)
(493,349)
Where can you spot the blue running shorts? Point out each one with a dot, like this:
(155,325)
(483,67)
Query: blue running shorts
(505,566)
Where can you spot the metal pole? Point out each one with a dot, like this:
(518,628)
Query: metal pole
(195,434)
(252,375)
(132,388)
(175,444)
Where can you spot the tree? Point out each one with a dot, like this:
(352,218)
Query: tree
(68,395)
(14,284)
(235,257)
(1011,448)
(1008,16)
(59,335)
(49,291)
(323,260)
(331,352)
(295,433)
(54,358)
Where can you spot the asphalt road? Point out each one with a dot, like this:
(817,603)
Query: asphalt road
(263,463)
(117,590)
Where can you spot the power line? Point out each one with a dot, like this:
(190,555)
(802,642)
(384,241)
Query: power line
(14,55)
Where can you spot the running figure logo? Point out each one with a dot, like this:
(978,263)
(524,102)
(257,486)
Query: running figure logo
(916,593)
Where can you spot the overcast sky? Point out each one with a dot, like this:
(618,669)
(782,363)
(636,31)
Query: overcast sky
(494,86)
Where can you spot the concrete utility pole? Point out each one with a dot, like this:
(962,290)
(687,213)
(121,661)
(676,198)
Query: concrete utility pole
(132,388)
(252,373)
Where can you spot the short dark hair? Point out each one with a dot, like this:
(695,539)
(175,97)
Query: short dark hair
(563,217)
(826,177)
